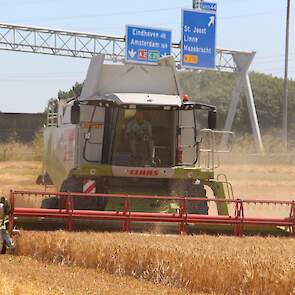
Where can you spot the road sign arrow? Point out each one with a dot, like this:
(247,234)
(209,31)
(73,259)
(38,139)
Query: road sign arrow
(197,21)
(132,53)
(211,21)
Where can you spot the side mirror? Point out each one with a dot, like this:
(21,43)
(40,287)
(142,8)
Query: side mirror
(212,119)
(75,113)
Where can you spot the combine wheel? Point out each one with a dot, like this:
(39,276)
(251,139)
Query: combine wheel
(190,188)
(74,184)
(54,202)
(50,203)
(197,207)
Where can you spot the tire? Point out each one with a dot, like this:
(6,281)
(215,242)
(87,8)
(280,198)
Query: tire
(189,188)
(73,185)
(50,203)
(197,207)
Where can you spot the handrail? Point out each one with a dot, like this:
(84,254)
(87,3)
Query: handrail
(211,151)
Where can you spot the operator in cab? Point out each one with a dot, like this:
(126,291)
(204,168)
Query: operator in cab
(139,135)
(4,234)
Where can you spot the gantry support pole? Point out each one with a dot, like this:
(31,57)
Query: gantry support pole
(243,62)
(285,98)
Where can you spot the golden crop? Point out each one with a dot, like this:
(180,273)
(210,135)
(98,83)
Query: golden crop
(26,276)
(213,265)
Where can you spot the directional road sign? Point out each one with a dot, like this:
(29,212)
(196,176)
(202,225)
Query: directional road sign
(146,45)
(210,6)
(198,46)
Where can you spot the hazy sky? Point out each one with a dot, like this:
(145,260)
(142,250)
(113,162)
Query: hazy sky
(27,81)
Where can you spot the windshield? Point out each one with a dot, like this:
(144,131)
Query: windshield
(144,138)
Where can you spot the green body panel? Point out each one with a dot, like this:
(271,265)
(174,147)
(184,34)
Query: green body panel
(142,205)
(195,173)
(219,193)
(93,170)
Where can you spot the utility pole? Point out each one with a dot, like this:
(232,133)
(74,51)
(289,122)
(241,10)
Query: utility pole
(285,98)
(197,4)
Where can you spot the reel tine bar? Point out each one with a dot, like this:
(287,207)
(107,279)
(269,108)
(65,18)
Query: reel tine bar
(239,221)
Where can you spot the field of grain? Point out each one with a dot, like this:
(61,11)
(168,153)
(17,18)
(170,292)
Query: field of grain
(269,179)
(198,264)
(154,264)
(26,276)
(19,175)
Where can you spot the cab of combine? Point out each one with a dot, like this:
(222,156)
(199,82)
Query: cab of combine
(131,131)
(121,130)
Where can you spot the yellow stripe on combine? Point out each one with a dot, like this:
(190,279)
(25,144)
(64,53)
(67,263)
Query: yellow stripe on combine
(88,125)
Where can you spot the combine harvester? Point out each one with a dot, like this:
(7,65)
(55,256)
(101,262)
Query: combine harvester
(133,148)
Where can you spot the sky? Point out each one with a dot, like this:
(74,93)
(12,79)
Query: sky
(28,80)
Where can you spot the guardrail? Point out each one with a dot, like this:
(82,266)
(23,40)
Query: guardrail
(211,146)
(238,219)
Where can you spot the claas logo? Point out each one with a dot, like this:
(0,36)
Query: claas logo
(143,172)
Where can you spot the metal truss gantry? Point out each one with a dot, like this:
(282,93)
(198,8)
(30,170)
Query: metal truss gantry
(85,45)
(82,45)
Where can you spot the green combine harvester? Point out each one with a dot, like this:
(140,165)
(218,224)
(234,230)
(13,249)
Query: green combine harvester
(133,131)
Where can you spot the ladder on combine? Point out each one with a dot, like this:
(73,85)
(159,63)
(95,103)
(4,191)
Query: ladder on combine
(52,115)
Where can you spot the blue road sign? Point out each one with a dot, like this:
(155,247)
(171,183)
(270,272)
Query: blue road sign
(210,6)
(198,46)
(147,45)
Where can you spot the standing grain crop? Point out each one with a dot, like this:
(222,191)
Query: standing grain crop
(221,265)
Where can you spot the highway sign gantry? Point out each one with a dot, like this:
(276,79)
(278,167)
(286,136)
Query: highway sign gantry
(198,40)
(147,45)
